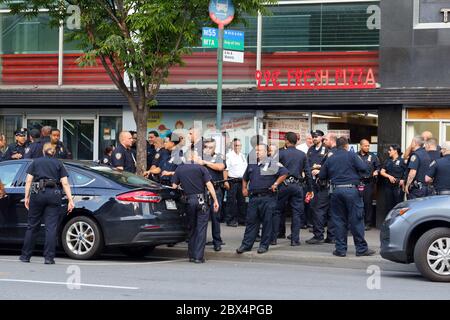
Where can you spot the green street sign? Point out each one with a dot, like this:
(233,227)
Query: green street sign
(233,40)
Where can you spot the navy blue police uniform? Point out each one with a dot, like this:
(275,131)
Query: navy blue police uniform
(14,148)
(291,192)
(420,161)
(216,176)
(151,152)
(434,154)
(369,182)
(61,151)
(123,157)
(262,202)
(439,171)
(344,170)
(320,204)
(34,150)
(394,193)
(193,178)
(168,161)
(106,160)
(45,202)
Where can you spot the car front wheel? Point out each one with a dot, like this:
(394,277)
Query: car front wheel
(82,238)
(432,254)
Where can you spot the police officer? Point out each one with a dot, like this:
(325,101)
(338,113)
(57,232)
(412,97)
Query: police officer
(433,149)
(320,204)
(43,200)
(344,170)
(34,150)
(291,192)
(151,149)
(418,165)
(16,150)
(393,171)
(122,157)
(61,152)
(439,172)
(260,182)
(215,164)
(193,178)
(2,145)
(166,160)
(107,156)
(368,181)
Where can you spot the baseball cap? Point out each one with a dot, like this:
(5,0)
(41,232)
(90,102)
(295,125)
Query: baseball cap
(317,133)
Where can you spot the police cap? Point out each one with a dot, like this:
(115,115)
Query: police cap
(35,133)
(317,133)
(21,132)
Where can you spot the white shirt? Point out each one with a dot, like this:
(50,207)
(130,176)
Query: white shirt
(303,147)
(236,164)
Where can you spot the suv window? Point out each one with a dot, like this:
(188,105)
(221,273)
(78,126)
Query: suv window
(8,172)
(124,177)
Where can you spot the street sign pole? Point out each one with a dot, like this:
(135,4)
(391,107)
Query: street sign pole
(219,79)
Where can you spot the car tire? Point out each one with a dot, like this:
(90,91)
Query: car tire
(431,242)
(91,243)
(137,251)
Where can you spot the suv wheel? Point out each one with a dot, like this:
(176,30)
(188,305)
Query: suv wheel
(81,238)
(432,254)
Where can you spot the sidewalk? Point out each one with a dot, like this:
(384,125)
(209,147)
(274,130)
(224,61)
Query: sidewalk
(305,254)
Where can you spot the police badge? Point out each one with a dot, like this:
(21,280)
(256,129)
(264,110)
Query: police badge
(118,156)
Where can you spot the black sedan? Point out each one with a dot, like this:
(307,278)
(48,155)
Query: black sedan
(112,209)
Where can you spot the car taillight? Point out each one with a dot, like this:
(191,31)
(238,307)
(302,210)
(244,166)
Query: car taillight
(139,196)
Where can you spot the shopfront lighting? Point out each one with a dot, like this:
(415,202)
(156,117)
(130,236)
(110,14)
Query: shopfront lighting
(324,116)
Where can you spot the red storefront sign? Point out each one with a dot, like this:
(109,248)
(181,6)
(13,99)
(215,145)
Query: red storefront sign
(316,79)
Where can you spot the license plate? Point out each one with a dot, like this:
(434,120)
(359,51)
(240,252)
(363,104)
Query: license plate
(171,205)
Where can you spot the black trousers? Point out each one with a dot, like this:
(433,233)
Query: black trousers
(393,195)
(236,206)
(215,221)
(320,205)
(47,205)
(368,200)
(198,226)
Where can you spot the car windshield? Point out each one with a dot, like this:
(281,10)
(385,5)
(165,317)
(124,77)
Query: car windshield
(123,177)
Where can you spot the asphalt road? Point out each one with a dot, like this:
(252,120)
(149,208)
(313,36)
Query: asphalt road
(117,277)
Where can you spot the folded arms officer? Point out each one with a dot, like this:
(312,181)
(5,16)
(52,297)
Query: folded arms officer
(193,178)
(16,150)
(122,157)
(43,199)
(260,182)
(418,165)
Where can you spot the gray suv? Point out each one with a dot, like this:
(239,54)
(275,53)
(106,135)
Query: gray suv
(419,231)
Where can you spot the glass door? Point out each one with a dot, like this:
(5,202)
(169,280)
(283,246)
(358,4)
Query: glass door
(78,136)
(446,131)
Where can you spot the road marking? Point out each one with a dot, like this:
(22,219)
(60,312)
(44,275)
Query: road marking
(69,284)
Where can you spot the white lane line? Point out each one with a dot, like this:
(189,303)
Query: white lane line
(80,263)
(72,284)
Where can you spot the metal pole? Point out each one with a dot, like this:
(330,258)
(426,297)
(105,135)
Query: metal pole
(219,79)
(61,54)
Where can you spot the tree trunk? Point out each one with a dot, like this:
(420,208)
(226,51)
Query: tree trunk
(141,122)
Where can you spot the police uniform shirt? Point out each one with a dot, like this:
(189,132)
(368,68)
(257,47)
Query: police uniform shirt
(1,155)
(395,168)
(315,156)
(122,157)
(263,175)
(216,158)
(151,152)
(160,156)
(420,161)
(61,151)
(295,162)
(343,168)
(34,150)
(439,170)
(106,160)
(372,161)
(47,168)
(14,148)
(192,178)
(434,155)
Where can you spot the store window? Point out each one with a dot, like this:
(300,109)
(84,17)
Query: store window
(415,128)
(353,125)
(9,124)
(110,128)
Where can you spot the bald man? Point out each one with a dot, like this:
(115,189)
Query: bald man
(122,158)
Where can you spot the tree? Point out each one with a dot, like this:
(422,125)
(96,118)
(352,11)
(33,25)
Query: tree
(143,38)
